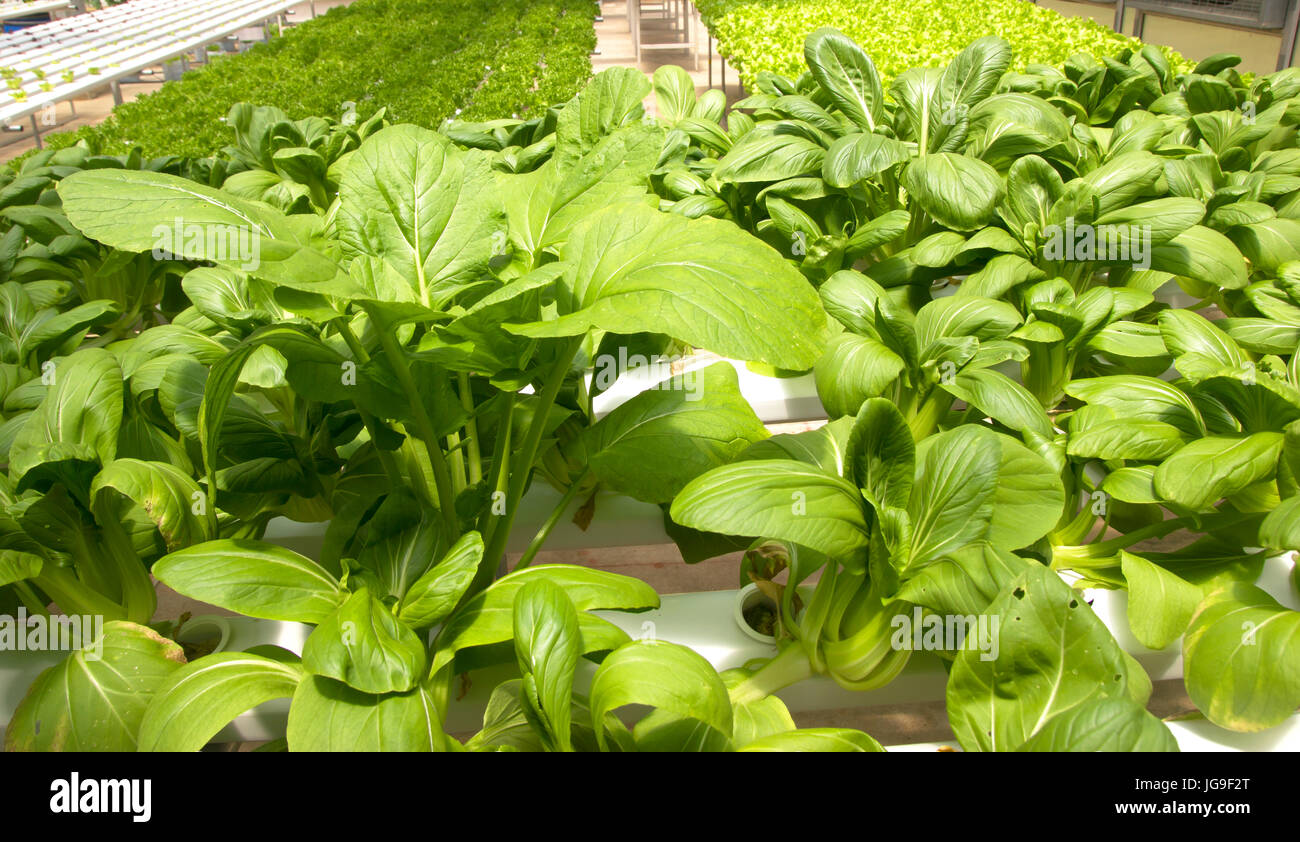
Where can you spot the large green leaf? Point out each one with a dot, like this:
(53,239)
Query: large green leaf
(1001,398)
(1123,438)
(703,281)
(18,566)
(859,156)
(968,80)
(964,582)
(852,297)
(611,101)
(754,719)
(847,75)
(871,235)
(1280,529)
(776,498)
(674,93)
(825,447)
(665,676)
(1030,497)
(1141,398)
(411,197)
(548,644)
(1033,186)
(230,298)
(1186,332)
(1268,244)
(956,317)
(199,699)
(1053,656)
(1208,469)
(881,456)
(959,192)
(762,157)
(165,495)
(953,495)
(50,329)
(1241,658)
(95,699)
(1203,255)
(208,220)
(433,596)
(853,369)
(664,437)
(254,578)
(815,739)
(543,207)
(76,424)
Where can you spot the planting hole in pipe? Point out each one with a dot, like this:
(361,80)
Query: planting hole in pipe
(756,614)
(205,635)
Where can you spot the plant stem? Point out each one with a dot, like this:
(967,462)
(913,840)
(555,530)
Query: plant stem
(926,419)
(139,600)
(438,461)
(457,462)
(500,465)
(1078,527)
(471,430)
(30,600)
(524,465)
(554,518)
(790,666)
(915,226)
(371,423)
(73,597)
(1074,557)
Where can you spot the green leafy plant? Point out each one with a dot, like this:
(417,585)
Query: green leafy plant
(402,333)
(447,330)
(897,527)
(759,36)
(292,165)
(1213,453)
(361,683)
(421,61)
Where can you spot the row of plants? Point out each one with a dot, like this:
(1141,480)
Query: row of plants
(387,402)
(421,61)
(407,350)
(764,36)
(1149,421)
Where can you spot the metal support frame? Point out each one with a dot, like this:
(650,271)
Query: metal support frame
(1290,34)
(679,11)
(37,125)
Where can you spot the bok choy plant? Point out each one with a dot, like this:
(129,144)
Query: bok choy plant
(422,346)
(367,681)
(1211,455)
(899,528)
